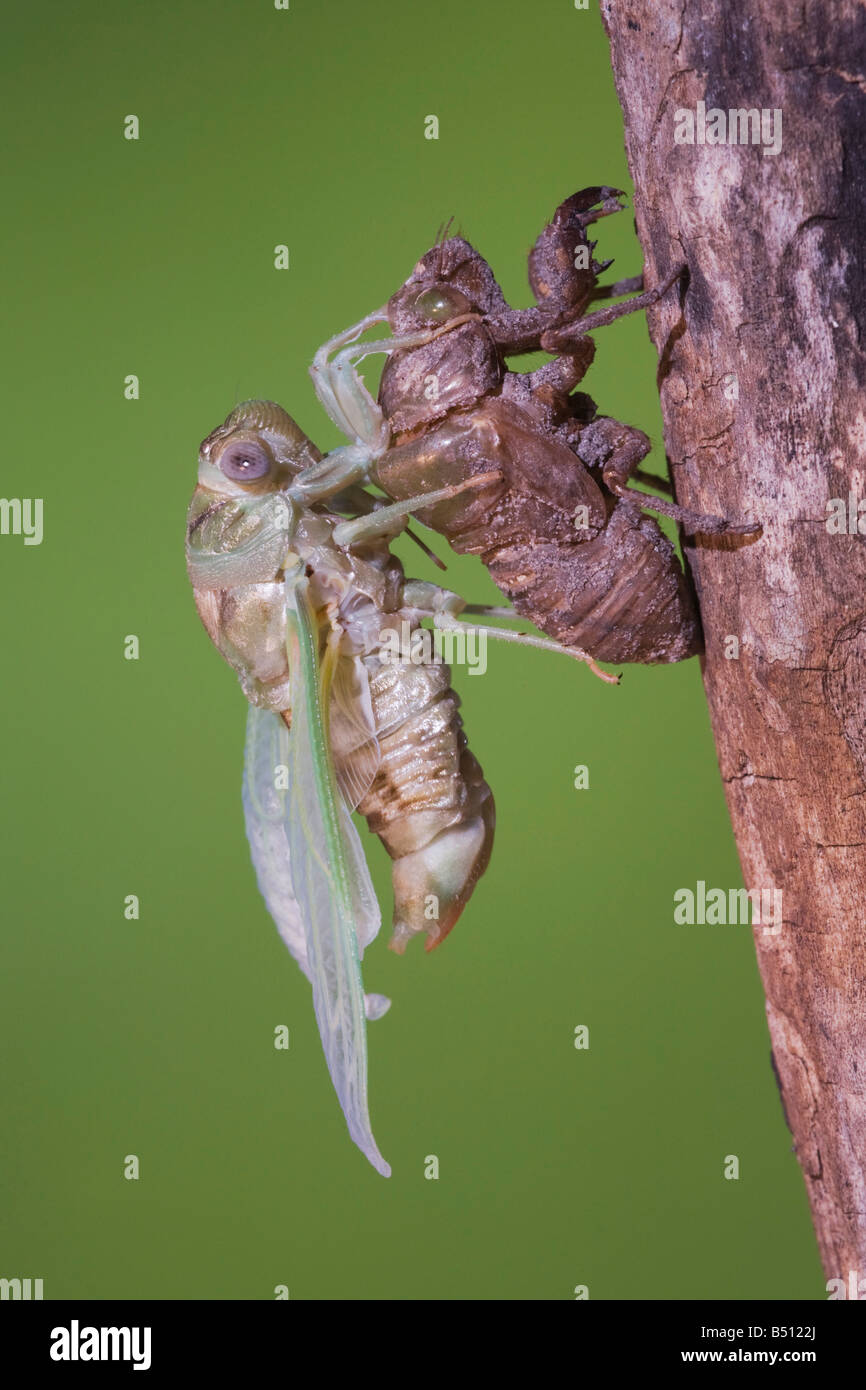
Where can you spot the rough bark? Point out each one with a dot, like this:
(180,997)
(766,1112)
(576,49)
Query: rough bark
(774,247)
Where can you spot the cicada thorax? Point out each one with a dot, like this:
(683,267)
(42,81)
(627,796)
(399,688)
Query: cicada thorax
(244,614)
(238,530)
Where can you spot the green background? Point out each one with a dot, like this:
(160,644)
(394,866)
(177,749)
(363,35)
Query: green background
(154,1037)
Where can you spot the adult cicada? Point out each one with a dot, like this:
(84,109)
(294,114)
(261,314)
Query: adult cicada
(297,587)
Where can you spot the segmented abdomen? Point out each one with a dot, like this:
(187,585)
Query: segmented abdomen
(620,596)
(589,570)
(429,802)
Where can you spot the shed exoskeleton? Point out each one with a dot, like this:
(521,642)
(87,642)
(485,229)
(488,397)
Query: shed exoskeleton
(559,527)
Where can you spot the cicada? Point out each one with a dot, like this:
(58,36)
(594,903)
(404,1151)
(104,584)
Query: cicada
(296,585)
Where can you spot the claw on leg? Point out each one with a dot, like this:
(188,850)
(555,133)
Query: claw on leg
(446,620)
(618,450)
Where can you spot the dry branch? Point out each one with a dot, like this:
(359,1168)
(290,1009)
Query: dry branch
(761,376)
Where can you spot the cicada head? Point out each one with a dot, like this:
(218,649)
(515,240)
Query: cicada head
(457,368)
(258,449)
(450,280)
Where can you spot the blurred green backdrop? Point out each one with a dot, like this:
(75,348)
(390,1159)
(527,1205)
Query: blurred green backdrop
(154,1037)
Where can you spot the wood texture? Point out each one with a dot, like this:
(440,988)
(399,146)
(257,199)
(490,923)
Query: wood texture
(761,376)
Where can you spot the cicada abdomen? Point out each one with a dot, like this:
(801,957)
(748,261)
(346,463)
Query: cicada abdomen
(428,802)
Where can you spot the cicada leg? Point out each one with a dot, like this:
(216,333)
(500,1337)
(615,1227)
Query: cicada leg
(443,607)
(338,471)
(524,639)
(349,404)
(564,336)
(632,285)
(628,447)
(492,610)
(382,521)
(341,388)
(343,394)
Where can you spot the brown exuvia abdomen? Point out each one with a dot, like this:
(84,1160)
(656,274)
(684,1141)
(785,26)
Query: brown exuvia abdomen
(588,569)
(621,596)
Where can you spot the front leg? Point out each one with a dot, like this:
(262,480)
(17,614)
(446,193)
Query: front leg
(633,285)
(563,272)
(550,385)
(346,400)
(390,520)
(341,389)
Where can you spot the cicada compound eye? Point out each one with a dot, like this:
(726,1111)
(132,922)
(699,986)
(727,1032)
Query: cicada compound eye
(245,460)
(441,303)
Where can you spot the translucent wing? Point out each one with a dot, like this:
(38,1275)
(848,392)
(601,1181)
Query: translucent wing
(265,801)
(266,759)
(330,879)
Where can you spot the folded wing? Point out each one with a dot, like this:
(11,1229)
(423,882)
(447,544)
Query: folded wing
(309,862)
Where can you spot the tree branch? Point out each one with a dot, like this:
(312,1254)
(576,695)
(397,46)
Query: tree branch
(761,376)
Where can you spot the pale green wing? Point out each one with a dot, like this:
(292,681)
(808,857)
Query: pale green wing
(265,799)
(266,760)
(335,898)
